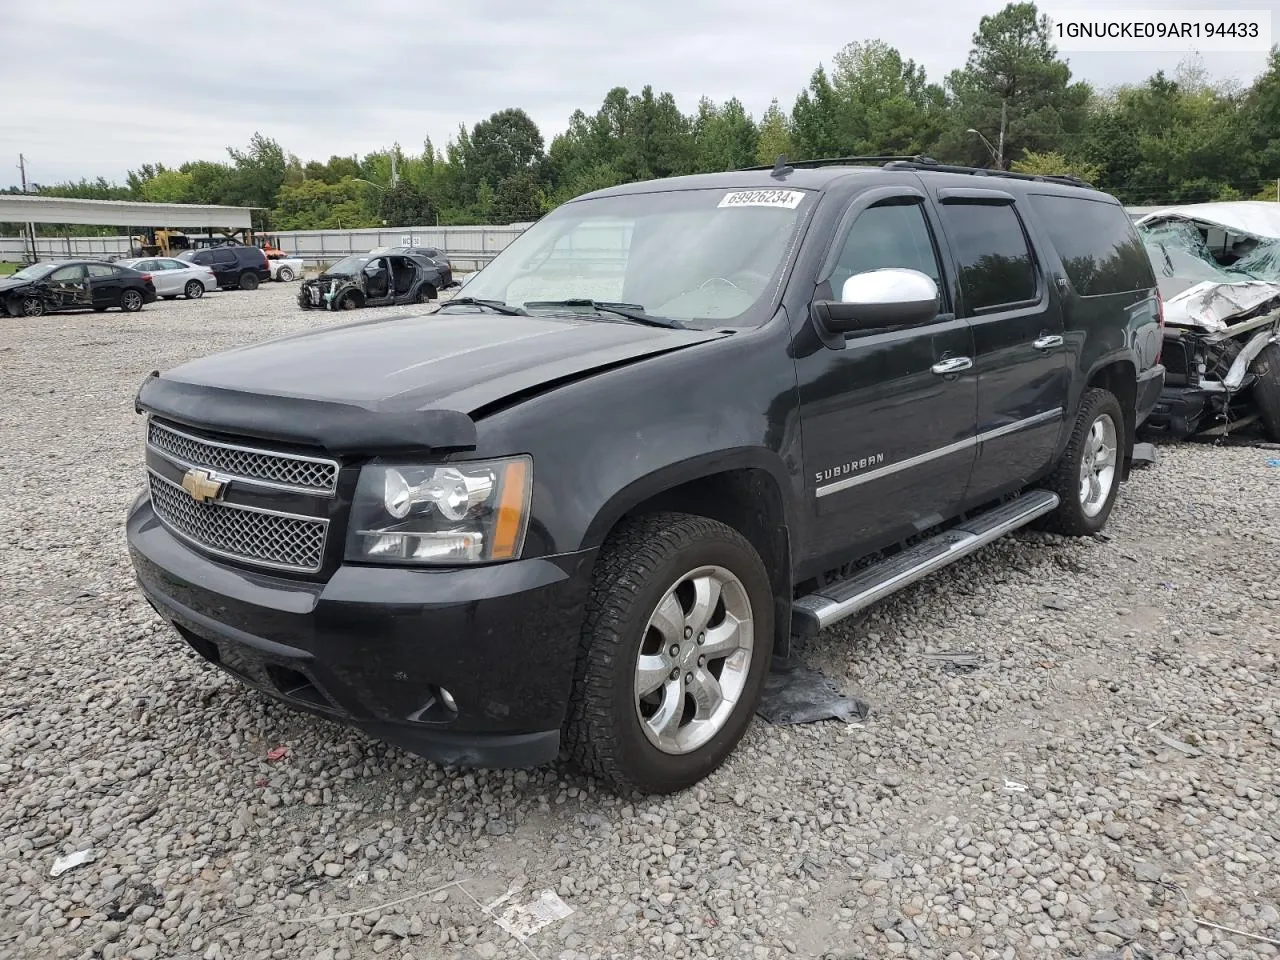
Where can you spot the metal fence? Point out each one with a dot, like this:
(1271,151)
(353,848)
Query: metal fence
(469,248)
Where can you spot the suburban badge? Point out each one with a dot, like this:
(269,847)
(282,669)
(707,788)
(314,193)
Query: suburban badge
(203,485)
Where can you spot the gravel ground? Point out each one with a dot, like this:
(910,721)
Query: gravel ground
(1108,772)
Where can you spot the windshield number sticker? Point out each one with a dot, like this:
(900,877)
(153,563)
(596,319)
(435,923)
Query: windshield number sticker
(786,199)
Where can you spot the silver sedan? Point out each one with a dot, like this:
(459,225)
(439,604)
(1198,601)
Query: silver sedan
(173,278)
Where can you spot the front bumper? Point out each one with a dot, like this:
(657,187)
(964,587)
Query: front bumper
(372,646)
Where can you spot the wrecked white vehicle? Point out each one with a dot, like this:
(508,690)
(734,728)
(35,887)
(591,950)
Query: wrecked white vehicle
(1218,268)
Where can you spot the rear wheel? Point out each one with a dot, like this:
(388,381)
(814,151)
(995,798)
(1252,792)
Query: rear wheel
(674,652)
(1087,478)
(194,290)
(284,274)
(1266,389)
(248,281)
(426,293)
(130,301)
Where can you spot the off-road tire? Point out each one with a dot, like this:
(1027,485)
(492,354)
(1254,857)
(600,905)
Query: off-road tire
(637,565)
(1266,389)
(1069,518)
(194,290)
(248,281)
(284,274)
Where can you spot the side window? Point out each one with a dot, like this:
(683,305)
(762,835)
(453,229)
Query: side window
(1097,243)
(145,266)
(99,271)
(222,255)
(204,258)
(991,251)
(67,274)
(891,235)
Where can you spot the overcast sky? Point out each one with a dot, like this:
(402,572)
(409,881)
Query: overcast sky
(94,87)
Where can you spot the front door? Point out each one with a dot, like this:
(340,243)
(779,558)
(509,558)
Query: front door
(377,280)
(887,421)
(68,287)
(1019,354)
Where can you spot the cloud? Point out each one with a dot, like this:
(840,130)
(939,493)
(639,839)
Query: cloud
(94,88)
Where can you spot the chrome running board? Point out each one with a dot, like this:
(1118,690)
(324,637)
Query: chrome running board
(819,610)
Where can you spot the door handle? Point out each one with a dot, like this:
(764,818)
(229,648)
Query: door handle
(952,365)
(1048,343)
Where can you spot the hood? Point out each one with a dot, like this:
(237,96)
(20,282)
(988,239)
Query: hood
(8,283)
(387,371)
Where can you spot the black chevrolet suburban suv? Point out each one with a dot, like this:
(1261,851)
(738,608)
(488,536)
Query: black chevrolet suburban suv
(575,510)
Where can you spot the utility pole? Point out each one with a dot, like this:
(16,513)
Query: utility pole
(394,172)
(31,227)
(1004,118)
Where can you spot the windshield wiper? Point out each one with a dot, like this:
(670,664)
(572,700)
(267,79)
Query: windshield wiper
(629,311)
(497,306)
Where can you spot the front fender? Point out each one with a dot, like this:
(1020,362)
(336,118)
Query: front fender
(671,475)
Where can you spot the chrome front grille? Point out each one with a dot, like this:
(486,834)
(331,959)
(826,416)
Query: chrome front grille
(268,538)
(284,471)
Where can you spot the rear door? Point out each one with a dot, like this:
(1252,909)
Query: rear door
(1019,348)
(225,266)
(105,284)
(887,432)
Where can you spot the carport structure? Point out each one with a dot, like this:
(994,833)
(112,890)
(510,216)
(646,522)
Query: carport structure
(29,209)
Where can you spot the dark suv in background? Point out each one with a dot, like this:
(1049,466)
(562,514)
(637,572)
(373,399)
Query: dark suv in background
(234,265)
(580,506)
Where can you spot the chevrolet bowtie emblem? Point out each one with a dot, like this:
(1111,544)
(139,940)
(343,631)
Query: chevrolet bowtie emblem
(203,485)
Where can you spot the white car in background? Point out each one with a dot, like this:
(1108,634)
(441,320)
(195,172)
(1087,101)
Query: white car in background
(285,269)
(175,278)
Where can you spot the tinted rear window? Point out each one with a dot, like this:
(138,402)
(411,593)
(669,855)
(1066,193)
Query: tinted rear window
(1099,247)
(991,251)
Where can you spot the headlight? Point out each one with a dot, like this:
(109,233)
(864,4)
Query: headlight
(468,512)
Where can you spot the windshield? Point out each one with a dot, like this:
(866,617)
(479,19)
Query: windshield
(348,267)
(34,272)
(703,257)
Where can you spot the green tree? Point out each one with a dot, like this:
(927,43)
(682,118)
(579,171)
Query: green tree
(1013,71)
(884,104)
(774,138)
(168,186)
(258,172)
(405,205)
(1052,162)
(725,138)
(815,120)
(518,199)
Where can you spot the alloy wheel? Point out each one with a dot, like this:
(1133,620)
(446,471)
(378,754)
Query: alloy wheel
(694,660)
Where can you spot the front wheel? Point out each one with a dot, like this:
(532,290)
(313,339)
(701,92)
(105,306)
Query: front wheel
(194,290)
(1087,478)
(284,275)
(131,301)
(674,652)
(32,307)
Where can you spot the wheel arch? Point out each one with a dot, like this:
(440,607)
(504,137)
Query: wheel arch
(743,489)
(1118,374)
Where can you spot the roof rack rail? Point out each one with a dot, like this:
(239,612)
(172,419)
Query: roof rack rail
(934,166)
(783,166)
(783,162)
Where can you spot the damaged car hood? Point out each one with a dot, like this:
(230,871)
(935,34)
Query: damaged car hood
(373,375)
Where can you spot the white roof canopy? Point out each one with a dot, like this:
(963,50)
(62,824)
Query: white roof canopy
(25,208)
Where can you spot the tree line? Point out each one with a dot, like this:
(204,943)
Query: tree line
(1172,139)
